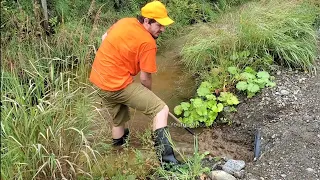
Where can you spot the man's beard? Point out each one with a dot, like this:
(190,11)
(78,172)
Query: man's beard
(154,37)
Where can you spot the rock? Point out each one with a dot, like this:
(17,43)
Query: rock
(232,166)
(283,175)
(239,174)
(221,175)
(302,80)
(310,170)
(284,92)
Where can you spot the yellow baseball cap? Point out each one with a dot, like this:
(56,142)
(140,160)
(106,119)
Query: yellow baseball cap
(157,11)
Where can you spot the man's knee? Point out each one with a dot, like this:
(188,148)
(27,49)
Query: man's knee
(165,109)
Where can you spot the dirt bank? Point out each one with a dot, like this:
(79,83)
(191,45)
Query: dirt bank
(289,119)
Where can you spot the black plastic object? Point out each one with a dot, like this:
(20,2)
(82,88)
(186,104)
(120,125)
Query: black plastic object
(257,145)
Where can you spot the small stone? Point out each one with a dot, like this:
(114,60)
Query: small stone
(239,174)
(232,166)
(310,170)
(261,178)
(302,79)
(274,136)
(237,123)
(284,92)
(221,175)
(278,72)
(283,175)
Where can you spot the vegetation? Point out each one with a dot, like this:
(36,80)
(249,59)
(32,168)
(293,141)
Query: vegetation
(204,108)
(253,38)
(50,117)
(257,35)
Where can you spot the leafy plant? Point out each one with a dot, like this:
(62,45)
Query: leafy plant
(251,81)
(204,108)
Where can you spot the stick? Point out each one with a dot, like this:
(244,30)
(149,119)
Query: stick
(186,128)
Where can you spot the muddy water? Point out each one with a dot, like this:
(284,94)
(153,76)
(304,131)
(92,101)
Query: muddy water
(173,86)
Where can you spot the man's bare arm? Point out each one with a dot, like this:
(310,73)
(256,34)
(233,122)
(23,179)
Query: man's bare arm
(104,36)
(146,79)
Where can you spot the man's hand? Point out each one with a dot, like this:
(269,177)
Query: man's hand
(146,79)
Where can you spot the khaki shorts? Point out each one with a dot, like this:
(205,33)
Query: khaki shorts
(136,96)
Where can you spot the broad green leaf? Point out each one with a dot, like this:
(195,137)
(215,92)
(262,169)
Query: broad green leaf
(203,91)
(208,123)
(233,100)
(223,96)
(233,70)
(186,113)
(202,119)
(253,88)
(197,102)
(202,111)
(212,115)
(250,94)
(211,103)
(242,85)
(220,107)
(238,77)
(263,75)
(206,84)
(215,108)
(185,106)
(178,110)
(247,76)
(261,81)
(250,70)
(271,84)
(211,97)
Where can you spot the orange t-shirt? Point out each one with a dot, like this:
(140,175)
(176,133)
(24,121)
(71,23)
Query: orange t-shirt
(127,49)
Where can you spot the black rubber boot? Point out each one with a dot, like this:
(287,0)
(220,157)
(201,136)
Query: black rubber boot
(121,141)
(163,147)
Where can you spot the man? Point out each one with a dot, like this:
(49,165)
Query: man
(129,47)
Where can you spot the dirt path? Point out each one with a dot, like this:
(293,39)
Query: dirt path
(289,118)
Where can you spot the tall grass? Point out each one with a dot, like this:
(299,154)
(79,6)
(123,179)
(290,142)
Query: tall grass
(47,111)
(44,126)
(281,30)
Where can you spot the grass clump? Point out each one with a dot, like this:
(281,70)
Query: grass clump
(270,31)
(43,130)
(192,167)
